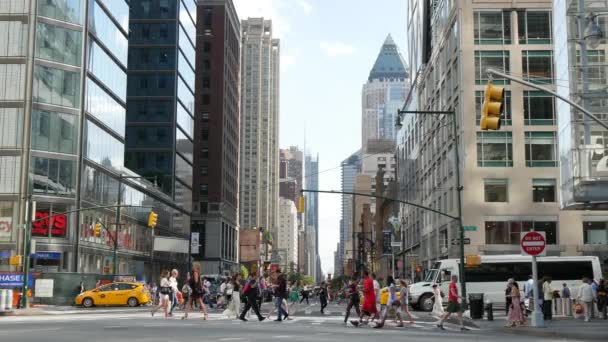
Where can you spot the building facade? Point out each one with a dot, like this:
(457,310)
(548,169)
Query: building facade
(311,175)
(287,241)
(510,176)
(259,134)
(383,93)
(351,166)
(62,142)
(291,169)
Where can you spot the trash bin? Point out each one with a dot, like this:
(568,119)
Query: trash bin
(476,305)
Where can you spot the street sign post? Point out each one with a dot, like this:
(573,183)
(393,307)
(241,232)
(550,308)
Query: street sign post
(534,244)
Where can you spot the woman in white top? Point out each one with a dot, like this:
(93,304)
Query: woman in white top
(164,293)
(230,292)
(405,300)
(585,296)
(173,282)
(438,305)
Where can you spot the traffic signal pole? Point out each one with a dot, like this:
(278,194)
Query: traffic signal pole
(26,251)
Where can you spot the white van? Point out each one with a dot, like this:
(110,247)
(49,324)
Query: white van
(490,277)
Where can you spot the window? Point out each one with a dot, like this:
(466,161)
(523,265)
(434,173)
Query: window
(543,190)
(204,189)
(538,66)
(539,108)
(534,27)
(56,86)
(494,149)
(54,132)
(520,271)
(506,117)
(53,176)
(58,44)
(595,233)
(492,27)
(13,38)
(541,149)
(509,232)
(65,10)
(496,190)
(596,70)
(498,60)
(206,47)
(206,82)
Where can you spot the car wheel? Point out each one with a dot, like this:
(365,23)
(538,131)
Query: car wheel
(132,302)
(426,303)
(87,302)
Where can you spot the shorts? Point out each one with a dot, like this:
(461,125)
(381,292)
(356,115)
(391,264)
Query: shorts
(453,307)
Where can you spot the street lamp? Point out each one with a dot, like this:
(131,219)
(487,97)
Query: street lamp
(593,34)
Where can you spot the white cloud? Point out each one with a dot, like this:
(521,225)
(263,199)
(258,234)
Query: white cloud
(337,49)
(269,9)
(306,6)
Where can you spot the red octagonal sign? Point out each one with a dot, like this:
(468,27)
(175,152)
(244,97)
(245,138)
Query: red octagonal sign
(533,243)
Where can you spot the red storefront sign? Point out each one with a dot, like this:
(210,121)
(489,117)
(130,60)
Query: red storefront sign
(58,224)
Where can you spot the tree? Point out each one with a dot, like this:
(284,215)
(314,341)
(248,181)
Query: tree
(244,272)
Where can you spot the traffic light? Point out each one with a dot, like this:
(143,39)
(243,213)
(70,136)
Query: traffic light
(492,107)
(301,205)
(97,229)
(16,260)
(152,218)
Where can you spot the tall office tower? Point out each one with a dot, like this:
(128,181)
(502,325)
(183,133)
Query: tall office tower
(287,239)
(291,168)
(63,92)
(384,92)
(311,175)
(259,157)
(510,176)
(160,94)
(351,166)
(216,137)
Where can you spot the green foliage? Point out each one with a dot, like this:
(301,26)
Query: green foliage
(307,280)
(300,279)
(244,272)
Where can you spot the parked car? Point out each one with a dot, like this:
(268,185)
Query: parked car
(115,294)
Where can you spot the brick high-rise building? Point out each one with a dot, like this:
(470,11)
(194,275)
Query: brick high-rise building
(216,138)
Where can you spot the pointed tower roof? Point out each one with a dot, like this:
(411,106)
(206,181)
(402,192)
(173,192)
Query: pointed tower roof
(390,63)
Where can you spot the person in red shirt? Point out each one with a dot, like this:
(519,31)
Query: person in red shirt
(453,305)
(369,299)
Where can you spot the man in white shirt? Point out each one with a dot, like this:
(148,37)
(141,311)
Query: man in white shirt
(585,297)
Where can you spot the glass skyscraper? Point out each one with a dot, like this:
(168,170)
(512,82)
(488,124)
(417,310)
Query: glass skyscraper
(63,102)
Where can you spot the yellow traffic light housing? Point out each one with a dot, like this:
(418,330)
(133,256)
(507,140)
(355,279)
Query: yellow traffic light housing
(492,108)
(301,205)
(97,229)
(152,219)
(16,260)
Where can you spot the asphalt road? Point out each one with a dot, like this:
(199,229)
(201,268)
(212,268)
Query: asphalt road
(307,325)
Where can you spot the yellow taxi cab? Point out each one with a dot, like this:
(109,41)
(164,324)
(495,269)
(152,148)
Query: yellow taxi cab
(384,295)
(118,293)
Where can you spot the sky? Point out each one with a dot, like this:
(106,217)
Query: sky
(328,48)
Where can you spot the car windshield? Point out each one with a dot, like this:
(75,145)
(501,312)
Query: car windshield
(431,276)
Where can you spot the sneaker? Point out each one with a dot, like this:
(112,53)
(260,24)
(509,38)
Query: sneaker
(378,326)
(399,325)
(278,320)
(440,326)
(464,329)
(243,319)
(355,323)
(262,319)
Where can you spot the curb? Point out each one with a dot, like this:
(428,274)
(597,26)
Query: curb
(552,334)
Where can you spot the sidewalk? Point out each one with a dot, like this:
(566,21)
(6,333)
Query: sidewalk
(65,310)
(559,327)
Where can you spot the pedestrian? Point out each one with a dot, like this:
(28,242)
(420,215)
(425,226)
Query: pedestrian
(187,291)
(547,299)
(323,297)
(515,315)
(529,294)
(305,294)
(154,293)
(197,291)
(369,309)
(352,293)
(566,291)
(594,286)
(392,304)
(453,305)
(602,298)
(280,289)
(438,302)
(405,300)
(173,282)
(165,294)
(230,293)
(508,295)
(294,297)
(377,292)
(251,295)
(585,297)
(236,294)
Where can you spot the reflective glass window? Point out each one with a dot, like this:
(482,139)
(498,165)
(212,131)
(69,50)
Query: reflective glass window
(54,131)
(58,44)
(595,233)
(543,190)
(64,10)
(149,136)
(119,10)
(186,70)
(153,9)
(54,176)
(184,120)
(492,27)
(149,111)
(190,5)
(12,82)
(183,145)
(539,108)
(103,148)
(498,60)
(107,71)
(13,38)
(147,58)
(494,149)
(185,95)
(496,190)
(152,84)
(56,86)
(188,26)
(150,33)
(11,121)
(14,6)
(183,195)
(537,66)
(186,46)
(541,149)
(105,108)
(534,27)
(10,168)
(107,32)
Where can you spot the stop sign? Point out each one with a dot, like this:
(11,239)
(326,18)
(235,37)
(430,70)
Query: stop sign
(533,243)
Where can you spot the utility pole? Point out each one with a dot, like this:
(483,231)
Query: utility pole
(117,224)
(26,250)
